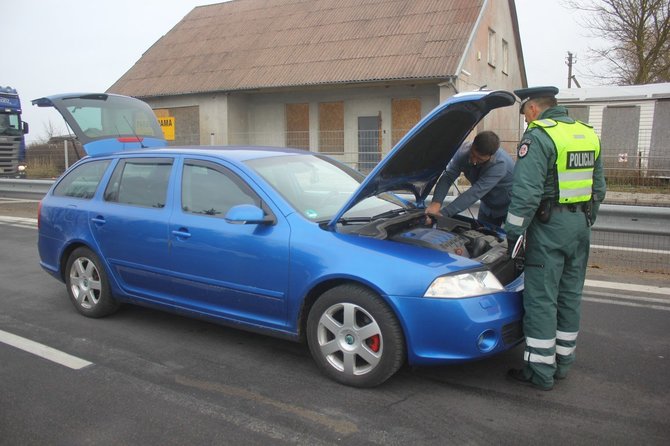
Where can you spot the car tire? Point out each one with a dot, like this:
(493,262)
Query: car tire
(354,337)
(88,285)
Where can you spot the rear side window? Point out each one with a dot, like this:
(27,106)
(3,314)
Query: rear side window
(210,189)
(82,181)
(140,182)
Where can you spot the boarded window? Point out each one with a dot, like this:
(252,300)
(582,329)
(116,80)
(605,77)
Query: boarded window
(297,126)
(619,140)
(404,114)
(331,127)
(186,124)
(659,152)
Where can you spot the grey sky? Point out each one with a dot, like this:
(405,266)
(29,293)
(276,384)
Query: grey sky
(85,45)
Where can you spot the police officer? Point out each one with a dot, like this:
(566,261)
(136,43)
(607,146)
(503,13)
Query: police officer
(557,189)
(489,169)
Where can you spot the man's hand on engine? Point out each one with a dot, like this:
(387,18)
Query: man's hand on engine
(434,209)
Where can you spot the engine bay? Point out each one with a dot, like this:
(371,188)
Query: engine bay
(458,235)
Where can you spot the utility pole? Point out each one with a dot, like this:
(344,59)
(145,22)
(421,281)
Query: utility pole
(571,60)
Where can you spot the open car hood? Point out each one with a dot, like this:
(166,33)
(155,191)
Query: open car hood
(106,123)
(417,160)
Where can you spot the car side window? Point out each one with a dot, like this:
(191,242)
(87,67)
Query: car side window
(140,182)
(82,181)
(211,189)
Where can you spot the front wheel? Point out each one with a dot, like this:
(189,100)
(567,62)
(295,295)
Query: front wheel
(87,284)
(354,337)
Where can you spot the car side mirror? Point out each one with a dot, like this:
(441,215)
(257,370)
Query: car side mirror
(248,214)
(25,127)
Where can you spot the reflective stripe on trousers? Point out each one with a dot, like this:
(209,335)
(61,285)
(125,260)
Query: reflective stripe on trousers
(565,345)
(540,351)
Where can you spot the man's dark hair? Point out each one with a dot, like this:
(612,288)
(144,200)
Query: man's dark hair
(486,143)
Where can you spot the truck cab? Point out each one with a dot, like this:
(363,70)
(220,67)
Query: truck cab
(12,131)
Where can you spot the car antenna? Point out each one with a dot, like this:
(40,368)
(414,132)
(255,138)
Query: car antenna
(134,132)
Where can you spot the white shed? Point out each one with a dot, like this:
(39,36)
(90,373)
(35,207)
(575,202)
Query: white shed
(633,124)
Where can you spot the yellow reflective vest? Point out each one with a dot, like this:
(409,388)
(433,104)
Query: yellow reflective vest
(577,147)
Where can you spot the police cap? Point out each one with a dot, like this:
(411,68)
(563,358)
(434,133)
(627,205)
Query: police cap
(526,94)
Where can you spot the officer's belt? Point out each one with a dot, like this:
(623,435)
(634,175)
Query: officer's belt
(572,207)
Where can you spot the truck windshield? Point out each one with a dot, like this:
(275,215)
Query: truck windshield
(10,124)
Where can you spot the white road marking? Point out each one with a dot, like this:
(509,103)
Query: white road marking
(623,248)
(8,219)
(17,200)
(43,351)
(19,222)
(628,287)
(626,304)
(658,300)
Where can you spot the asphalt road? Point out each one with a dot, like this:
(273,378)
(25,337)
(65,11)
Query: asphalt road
(157,378)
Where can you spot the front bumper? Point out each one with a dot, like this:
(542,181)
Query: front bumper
(442,331)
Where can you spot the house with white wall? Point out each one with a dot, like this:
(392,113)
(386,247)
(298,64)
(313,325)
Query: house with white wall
(343,77)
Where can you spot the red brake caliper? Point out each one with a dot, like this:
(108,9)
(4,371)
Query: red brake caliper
(374,342)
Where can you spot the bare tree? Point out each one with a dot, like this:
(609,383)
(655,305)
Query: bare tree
(639,32)
(49,131)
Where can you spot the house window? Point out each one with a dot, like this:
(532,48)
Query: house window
(297,126)
(492,48)
(331,127)
(505,57)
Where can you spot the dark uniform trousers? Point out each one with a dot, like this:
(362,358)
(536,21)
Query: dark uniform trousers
(555,267)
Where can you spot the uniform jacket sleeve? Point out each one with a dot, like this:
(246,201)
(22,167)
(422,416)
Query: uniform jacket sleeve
(530,173)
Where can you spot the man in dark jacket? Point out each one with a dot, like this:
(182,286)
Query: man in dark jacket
(489,169)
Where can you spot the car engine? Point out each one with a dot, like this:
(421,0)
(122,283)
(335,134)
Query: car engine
(458,235)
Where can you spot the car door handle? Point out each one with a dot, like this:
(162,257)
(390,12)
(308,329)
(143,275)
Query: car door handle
(181,233)
(99,220)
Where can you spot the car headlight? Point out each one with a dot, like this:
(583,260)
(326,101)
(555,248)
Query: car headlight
(21,168)
(464,285)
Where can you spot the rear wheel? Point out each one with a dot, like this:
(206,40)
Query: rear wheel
(87,284)
(354,337)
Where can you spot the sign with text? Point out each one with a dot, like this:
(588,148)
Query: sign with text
(167,124)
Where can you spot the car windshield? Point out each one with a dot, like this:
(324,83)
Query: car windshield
(318,187)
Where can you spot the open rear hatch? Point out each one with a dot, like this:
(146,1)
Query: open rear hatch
(106,123)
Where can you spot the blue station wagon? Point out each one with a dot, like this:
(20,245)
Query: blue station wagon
(285,242)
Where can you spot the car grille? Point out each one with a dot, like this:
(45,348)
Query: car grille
(512,333)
